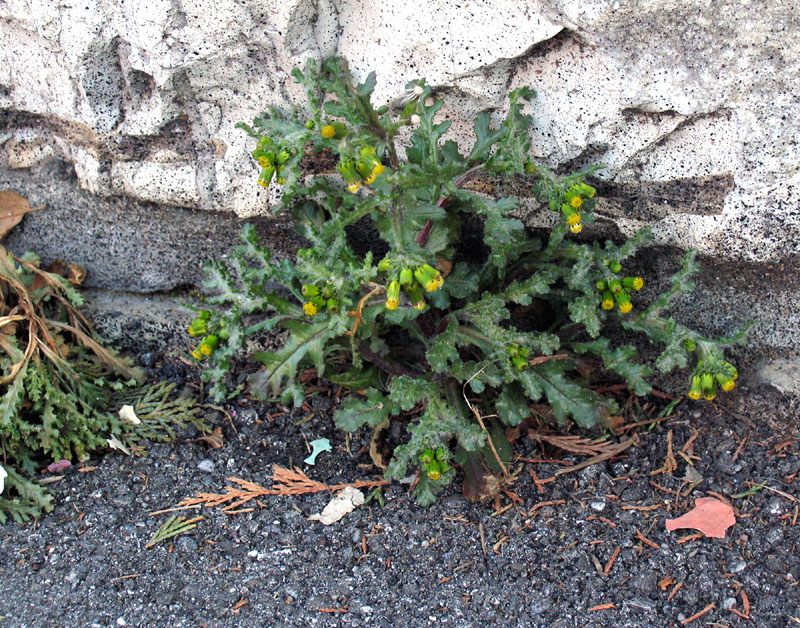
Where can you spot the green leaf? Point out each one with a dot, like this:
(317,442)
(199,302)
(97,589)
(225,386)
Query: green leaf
(620,361)
(408,392)
(497,435)
(424,212)
(584,309)
(442,351)
(462,282)
(31,499)
(336,109)
(366,88)
(423,491)
(356,412)
(485,138)
(306,339)
(356,378)
(567,398)
(512,405)
(12,400)
(450,154)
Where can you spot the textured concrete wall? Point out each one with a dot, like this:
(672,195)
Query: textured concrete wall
(142,96)
(691,104)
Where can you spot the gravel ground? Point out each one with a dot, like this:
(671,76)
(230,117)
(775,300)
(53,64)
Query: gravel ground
(570,546)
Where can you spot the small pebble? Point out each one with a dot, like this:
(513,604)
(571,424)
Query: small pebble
(737,566)
(248,416)
(728,603)
(775,506)
(186,544)
(206,465)
(598,505)
(774,536)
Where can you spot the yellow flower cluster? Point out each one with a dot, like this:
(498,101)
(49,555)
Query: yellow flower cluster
(319,299)
(272,160)
(708,375)
(619,290)
(426,276)
(362,170)
(212,332)
(433,463)
(571,204)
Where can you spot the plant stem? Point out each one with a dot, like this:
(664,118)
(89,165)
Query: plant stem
(390,366)
(425,232)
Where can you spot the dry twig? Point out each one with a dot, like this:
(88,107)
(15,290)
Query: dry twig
(284,482)
(616,450)
(669,463)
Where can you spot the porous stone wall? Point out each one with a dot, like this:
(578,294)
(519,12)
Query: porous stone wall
(691,105)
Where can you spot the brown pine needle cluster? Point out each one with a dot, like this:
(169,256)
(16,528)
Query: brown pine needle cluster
(576,444)
(284,482)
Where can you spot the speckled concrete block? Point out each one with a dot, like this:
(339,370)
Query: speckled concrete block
(691,105)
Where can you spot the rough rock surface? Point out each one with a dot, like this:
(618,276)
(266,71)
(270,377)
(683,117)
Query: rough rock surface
(690,105)
(143,97)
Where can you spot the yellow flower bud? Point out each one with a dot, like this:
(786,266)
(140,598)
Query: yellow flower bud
(429,278)
(393,295)
(695,390)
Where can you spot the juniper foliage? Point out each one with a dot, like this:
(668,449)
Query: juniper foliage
(61,387)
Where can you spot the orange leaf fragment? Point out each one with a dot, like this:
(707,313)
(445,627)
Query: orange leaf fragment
(666,582)
(710,515)
(603,607)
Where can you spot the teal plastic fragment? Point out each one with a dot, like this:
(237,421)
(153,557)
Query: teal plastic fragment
(317,447)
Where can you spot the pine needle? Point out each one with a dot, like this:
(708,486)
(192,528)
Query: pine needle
(576,444)
(284,482)
(172,527)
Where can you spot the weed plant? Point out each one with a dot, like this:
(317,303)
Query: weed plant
(452,315)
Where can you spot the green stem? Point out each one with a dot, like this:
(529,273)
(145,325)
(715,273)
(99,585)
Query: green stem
(425,232)
(476,338)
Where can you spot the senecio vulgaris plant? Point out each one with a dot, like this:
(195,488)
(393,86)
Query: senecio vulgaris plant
(426,322)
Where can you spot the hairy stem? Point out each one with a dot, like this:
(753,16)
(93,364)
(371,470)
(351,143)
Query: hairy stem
(425,232)
(390,366)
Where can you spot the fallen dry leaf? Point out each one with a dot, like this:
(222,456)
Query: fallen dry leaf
(215,440)
(710,515)
(76,274)
(72,272)
(666,582)
(127,413)
(12,208)
(343,503)
(115,443)
(379,450)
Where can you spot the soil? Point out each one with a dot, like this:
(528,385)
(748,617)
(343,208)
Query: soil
(588,548)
